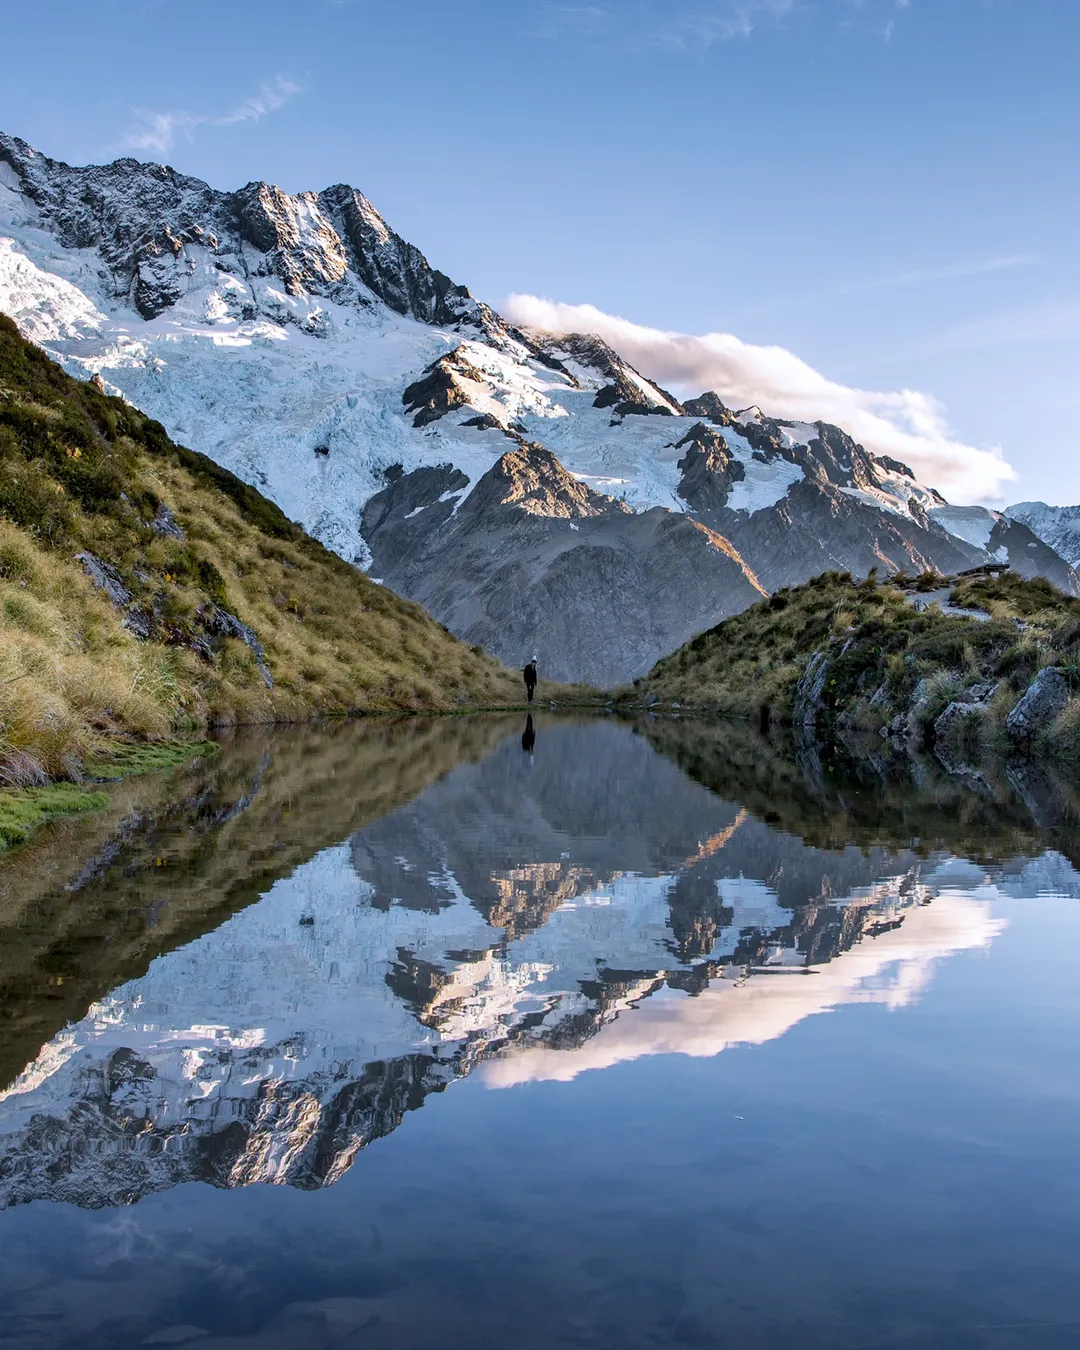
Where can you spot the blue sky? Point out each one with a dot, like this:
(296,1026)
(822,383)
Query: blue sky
(886,188)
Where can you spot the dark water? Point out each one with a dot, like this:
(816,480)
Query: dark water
(455,1033)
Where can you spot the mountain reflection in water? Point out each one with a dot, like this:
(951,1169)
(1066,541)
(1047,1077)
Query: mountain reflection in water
(265,971)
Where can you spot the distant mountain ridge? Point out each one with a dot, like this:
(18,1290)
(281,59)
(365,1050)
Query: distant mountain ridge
(1057,526)
(305,346)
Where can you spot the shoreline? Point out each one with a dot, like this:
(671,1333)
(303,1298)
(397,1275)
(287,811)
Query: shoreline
(26,809)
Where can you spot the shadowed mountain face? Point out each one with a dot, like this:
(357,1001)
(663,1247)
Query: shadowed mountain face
(532,557)
(269,963)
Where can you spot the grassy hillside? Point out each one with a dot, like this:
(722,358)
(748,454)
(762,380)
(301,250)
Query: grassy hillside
(885,664)
(210,606)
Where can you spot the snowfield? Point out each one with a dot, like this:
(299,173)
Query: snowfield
(300,394)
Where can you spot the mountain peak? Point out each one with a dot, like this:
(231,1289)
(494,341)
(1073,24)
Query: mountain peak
(155,228)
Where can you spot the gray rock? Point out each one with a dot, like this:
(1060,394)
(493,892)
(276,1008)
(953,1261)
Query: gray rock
(220,622)
(151,224)
(972,702)
(164,523)
(808,691)
(534,560)
(106,578)
(1046,697)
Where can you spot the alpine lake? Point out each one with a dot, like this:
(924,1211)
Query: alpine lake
(477,1033)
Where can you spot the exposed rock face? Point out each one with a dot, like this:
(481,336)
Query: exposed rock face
(813,500)
(220,623)
(145,219)
(712,408)
(709,470)
(397,271)
(532,559)
(817,528)
(164,523)
(106,578)
(624,390)
(808,702)
(1046,697)
(441,389)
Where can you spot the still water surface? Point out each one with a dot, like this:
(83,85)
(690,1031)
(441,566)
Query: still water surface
(466,1034)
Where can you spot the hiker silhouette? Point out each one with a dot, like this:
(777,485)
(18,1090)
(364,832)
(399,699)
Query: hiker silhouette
(529,676)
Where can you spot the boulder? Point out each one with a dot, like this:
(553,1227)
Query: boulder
(1046,697)
(972,700)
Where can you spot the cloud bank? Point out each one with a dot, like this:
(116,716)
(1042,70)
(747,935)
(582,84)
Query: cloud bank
(157,131)
(906,424)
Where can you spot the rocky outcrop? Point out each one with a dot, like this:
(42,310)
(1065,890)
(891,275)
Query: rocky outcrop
(709,470)
(712,408)
(622,389)
(164,523)
(439,390)
(396,271)
(807,704)
(972,702)
(1046,697)
(220,623)
(204,635)
(106,578)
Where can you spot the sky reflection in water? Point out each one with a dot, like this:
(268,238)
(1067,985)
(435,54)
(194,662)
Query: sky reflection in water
(252,972)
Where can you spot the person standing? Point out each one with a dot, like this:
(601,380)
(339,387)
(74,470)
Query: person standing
(529,674)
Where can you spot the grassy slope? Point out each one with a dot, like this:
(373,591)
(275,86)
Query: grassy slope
(879,646)
(82,471)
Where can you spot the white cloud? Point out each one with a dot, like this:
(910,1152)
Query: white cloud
(906,424)
(685,27)
(157,131)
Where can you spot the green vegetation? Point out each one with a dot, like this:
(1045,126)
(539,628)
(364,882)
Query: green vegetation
(883,660)
(221,610)
(21,812)
(127,758)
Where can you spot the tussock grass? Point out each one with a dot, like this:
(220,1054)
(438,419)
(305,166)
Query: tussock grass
(885,656)
(80,471)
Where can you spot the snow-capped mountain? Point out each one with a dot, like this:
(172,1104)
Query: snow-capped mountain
(531,489)
(514,919)
(1057,526)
